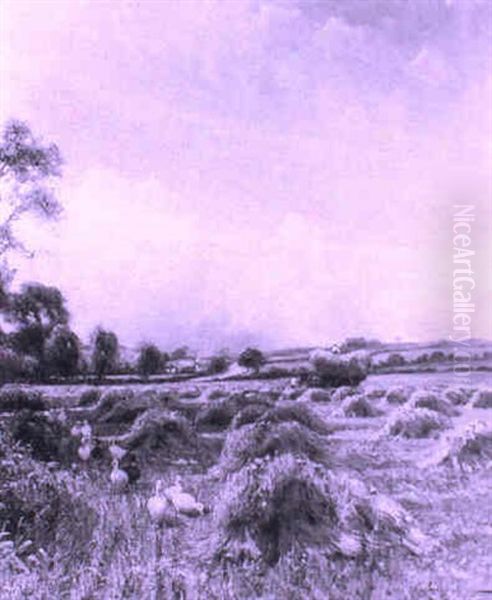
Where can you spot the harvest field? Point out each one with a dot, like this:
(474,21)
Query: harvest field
(375,491)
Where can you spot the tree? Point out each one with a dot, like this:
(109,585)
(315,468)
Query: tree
(36,310)
(251,358)
(149,360)
(105,353)
(27,168)
(180,353)
(62,352)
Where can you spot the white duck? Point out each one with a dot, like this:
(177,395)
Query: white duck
(158,505)
(184,503)
(118,477)
(85,449)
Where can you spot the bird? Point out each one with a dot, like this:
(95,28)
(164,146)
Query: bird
(184,503)
(85,449)
(118,477)
(158,505)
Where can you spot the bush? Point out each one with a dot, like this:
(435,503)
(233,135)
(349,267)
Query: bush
(249,414)
(251,358)
(430,400)
(18,399)
(359,406)
(416,423)
(272,507)
(46,438)
(335,370)
(218,364)
(395,360)
(38,506)
(482,399)
(161,430)
(16,367)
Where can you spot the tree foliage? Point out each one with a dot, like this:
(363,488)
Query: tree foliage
(27,168)
(105,353)
(62,352)
(251,358)
(150,360)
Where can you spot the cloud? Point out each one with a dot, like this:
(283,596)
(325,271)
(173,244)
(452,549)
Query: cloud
(278,171)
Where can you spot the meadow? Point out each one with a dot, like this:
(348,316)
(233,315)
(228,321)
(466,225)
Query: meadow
(377,490)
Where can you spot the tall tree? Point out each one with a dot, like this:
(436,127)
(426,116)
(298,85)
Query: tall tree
(27,169)
(105,353)
(62,352)
(35,311)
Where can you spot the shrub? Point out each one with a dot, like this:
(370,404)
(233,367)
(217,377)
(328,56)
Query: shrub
(470,447)
(359,406)
(16,367)
(37,504)
(251,358)
(482,399)
(416,423)
(395,360)
(430,400)
(19,399)
(271,507)
(46,438)
(218,364)
(335,370)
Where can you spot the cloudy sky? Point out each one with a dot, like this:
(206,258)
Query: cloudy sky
(238,171)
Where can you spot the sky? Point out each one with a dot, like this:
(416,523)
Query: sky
(260,172)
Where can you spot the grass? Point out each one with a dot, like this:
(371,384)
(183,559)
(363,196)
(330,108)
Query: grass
(360,544)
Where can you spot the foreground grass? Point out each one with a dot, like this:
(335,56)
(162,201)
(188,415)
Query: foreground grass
(127,557)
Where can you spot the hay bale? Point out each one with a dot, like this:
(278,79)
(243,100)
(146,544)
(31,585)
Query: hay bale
(482,398)
(249,414)
(343,392)
(416,423)
(264,439)
(190,393)
(470,447)
(89,397)
(216,416)
(359,406)
(432,401)
(272,506)
(160,430)
(375,393)
(458,396)
(295,412)
(21,399)
(397,395)
(316,395)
